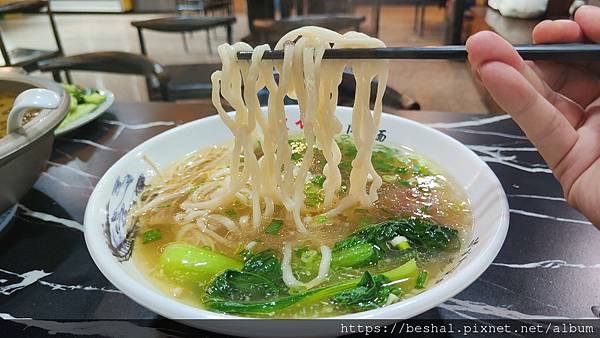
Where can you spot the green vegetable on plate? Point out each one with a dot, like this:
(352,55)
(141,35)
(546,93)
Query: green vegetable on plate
(83,102)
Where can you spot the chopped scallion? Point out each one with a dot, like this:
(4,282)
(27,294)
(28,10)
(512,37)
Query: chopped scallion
(401,170)
(389,178)
(274,227)
(421,280)
(151,236)
(400,243)
(318,180)
(231,213)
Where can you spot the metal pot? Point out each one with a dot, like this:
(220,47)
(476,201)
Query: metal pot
(25,150)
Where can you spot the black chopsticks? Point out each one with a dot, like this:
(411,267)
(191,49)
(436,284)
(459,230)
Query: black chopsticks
(557,52)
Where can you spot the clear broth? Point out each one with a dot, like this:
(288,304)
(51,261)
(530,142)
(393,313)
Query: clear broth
(422,189)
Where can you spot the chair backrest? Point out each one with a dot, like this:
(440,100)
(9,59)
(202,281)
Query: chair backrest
(183,23)
(329,7)
(25,6)
(112,62)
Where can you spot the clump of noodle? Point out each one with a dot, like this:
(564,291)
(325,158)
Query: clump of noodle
(179,180)
(200,184)
(303,75)
(228,83)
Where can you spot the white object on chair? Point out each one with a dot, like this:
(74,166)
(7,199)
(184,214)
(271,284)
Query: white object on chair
(521,9)
(36,98)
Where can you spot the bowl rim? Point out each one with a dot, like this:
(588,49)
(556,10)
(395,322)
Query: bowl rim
(46,121)
(169,307)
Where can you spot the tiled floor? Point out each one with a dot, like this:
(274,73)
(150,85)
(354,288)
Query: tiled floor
(436,85)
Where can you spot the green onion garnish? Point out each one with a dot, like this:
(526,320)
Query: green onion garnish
(274,227)
(151,236)
(318,180)
(231,213)
(421,280)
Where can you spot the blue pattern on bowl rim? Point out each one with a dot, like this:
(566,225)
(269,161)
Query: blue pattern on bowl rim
(119,238)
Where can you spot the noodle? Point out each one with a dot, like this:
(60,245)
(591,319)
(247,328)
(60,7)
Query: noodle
(313,82)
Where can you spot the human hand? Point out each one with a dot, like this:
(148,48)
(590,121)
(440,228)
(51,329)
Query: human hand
(556,104)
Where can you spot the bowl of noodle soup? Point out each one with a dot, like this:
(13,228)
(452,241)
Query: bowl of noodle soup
(107,236)
(301,211)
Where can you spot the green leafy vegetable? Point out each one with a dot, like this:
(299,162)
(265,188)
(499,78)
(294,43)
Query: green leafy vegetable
(354,256)
(266,264)
(370,293)
(83,101)
(274,227)
(260,278)
(218,297)
(192,265)
(306,261)
(151,236)
(94,98)
(426,234)
(239,286)
(372,243)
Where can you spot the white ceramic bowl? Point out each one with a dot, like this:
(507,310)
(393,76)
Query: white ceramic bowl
(110,244)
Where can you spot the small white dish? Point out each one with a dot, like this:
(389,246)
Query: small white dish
(91,116)
(110,243)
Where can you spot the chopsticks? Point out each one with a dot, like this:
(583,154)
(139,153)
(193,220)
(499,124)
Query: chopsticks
(556,52)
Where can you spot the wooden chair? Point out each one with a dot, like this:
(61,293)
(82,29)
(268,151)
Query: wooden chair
(157,78)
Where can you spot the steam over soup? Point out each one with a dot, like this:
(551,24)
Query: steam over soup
(280,225)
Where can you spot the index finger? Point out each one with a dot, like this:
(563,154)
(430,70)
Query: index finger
(544,125)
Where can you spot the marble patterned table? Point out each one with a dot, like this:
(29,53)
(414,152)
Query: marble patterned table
(549,266)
